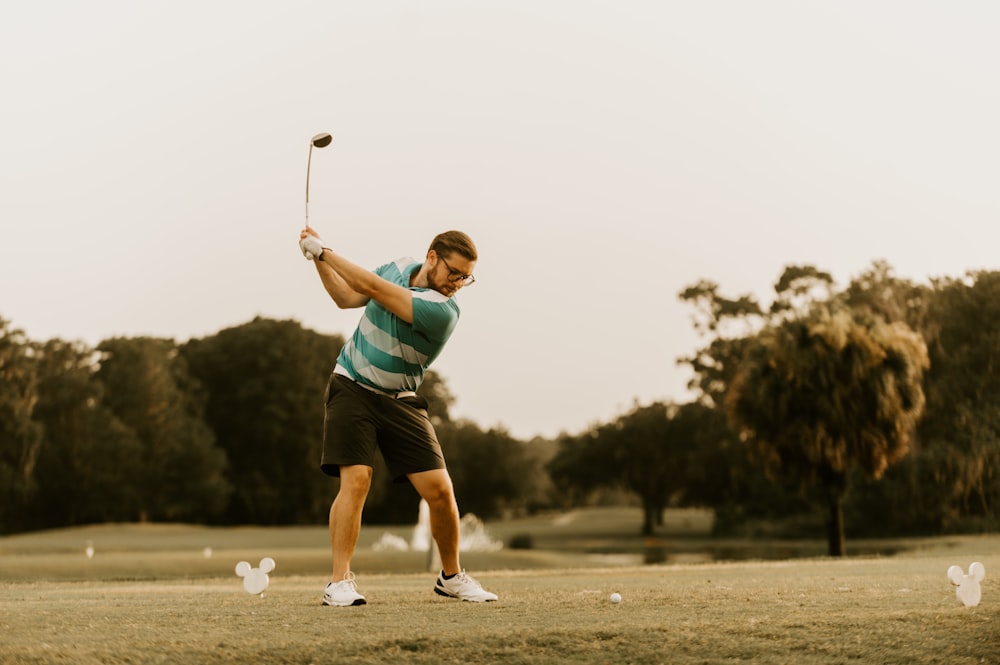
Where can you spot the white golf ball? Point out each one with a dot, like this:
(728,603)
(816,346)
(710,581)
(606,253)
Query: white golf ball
(616,598)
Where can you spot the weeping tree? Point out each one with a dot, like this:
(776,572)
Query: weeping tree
(819,394)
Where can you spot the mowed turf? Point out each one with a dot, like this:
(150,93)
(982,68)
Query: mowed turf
(898,609)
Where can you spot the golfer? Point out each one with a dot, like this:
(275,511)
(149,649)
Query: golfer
(371,399)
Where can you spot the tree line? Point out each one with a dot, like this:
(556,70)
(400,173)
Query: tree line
(872,410)
(224,429)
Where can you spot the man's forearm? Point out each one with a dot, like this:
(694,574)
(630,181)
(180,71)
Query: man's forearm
(369,286)
(337,286)
(353,277)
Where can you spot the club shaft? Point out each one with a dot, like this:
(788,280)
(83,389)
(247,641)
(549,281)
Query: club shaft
(308,168)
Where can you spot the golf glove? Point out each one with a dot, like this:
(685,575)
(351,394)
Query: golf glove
(312,247)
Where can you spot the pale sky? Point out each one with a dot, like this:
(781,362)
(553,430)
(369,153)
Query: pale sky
(603,155)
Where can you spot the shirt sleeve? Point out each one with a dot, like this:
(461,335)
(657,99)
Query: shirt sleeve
(434,316)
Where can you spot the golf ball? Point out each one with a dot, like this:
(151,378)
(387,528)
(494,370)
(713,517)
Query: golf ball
(616,598)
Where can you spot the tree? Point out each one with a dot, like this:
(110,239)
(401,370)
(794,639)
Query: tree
(147,386)
(730,323)
(492,472)
(577,469)
(265,382)
(727,323)
(716,464)
(912,494)
(645,459)
(20,434)
(798,288)
(657,452)
(90,463)
(949,481)
(879,292)
(961,435)
(738,489)
(816,396)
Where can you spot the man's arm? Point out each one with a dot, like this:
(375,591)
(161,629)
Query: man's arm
(342,294)
(366,285)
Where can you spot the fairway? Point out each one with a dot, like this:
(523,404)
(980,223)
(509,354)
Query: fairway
(177,606)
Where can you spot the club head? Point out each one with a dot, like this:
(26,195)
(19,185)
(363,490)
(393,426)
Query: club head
(322,140)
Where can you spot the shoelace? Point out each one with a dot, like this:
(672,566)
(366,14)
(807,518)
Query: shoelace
(465,578)
(349,580)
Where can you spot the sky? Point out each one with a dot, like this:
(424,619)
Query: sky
(603,155)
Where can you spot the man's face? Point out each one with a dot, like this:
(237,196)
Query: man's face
(450,274)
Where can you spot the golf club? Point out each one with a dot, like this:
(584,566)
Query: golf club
(320,141)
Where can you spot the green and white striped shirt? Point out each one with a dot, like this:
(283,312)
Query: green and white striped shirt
(390,354)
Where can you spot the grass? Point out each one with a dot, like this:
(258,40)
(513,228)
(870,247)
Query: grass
(150,596)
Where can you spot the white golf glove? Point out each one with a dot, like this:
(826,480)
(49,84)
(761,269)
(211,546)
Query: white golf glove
(311,246)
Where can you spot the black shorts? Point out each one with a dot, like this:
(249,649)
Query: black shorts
(358,421)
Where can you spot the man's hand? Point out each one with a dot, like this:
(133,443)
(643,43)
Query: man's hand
(310,244)
(343,294)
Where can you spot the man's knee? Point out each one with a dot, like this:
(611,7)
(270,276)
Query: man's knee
(356,479)
(435,487)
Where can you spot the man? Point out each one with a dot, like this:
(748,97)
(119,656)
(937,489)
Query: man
(371,399)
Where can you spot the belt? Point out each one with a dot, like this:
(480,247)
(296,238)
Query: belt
(400,395)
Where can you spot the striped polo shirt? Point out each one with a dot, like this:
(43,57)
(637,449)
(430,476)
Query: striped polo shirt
(390,354)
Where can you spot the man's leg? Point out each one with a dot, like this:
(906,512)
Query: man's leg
(436,489)
(345,516)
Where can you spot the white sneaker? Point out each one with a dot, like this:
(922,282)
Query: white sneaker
(463,587)
(343,594)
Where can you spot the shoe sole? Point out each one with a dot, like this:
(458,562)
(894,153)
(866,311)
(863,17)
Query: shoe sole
(441,592)
(359,601)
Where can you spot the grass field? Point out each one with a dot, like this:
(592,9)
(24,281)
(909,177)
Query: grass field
(149,595)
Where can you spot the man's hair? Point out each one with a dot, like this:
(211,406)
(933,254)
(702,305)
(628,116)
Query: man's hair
(454,241)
